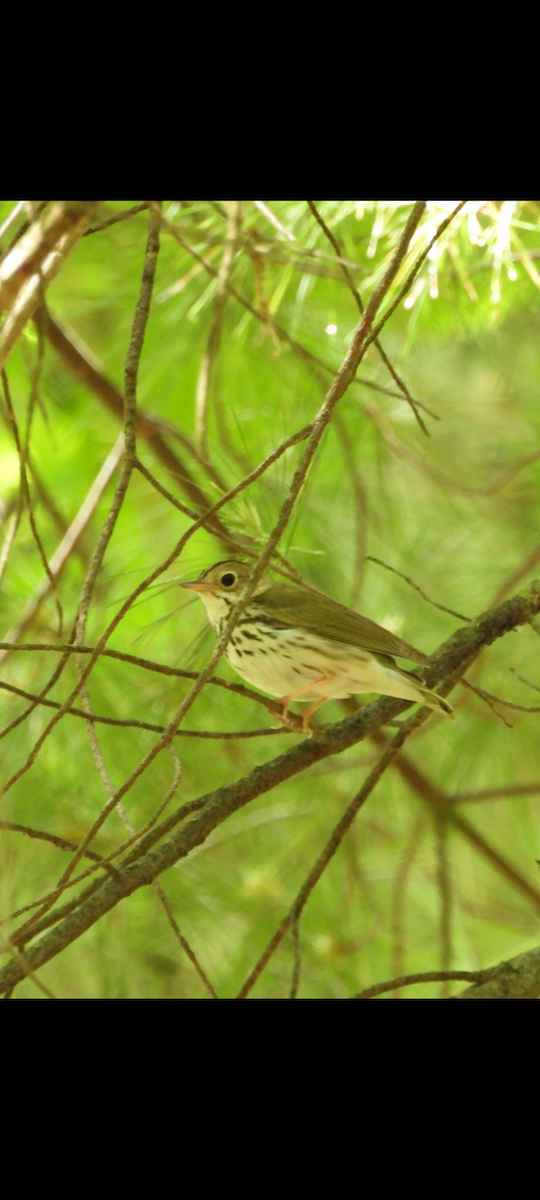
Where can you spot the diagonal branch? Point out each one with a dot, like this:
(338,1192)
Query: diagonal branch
(358,299)
(68,543)
(35,260)
(79,359)
(211,352)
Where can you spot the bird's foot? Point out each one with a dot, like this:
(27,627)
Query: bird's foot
(292,721)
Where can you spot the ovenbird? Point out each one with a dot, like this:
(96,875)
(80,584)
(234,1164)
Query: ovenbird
(297,644)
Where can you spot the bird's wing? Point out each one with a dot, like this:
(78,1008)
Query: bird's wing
(292,606)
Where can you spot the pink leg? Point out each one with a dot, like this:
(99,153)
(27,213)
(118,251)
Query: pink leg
(309,711)
(286,700)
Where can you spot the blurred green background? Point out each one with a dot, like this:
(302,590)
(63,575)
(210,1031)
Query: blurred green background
(457,511)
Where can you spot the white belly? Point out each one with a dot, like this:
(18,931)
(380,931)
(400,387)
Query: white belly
(331,670)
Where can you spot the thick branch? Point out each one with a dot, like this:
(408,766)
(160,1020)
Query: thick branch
(516,979)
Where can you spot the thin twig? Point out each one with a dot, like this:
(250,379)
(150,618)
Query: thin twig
(525,566)
(27,501)
(398,903)
(204,381)
(42,835)
(27,971)
(297,959)
(511,790)
(358,299)
(9,540)
(449,482)
(121,216)
(332,845)
(406,286)
(127,723)
(442,607)
(146,664)
(391,985)
(79,358)
(360,506)
(140,838)
(183,941)
(69,541)
(488,696)
(439,803)
(320,368)
(443,880)
(50,504)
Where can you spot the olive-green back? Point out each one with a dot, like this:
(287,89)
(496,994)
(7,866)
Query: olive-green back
(300,609)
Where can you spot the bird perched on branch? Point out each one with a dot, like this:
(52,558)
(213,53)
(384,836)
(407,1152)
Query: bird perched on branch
(301,645)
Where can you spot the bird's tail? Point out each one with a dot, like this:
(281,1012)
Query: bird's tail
(438,703)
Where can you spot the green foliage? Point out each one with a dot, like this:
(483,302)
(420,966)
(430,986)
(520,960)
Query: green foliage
(457,512)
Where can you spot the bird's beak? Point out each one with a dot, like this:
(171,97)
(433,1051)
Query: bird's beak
(198,585)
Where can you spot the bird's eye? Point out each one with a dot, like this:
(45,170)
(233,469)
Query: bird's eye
(228,579)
